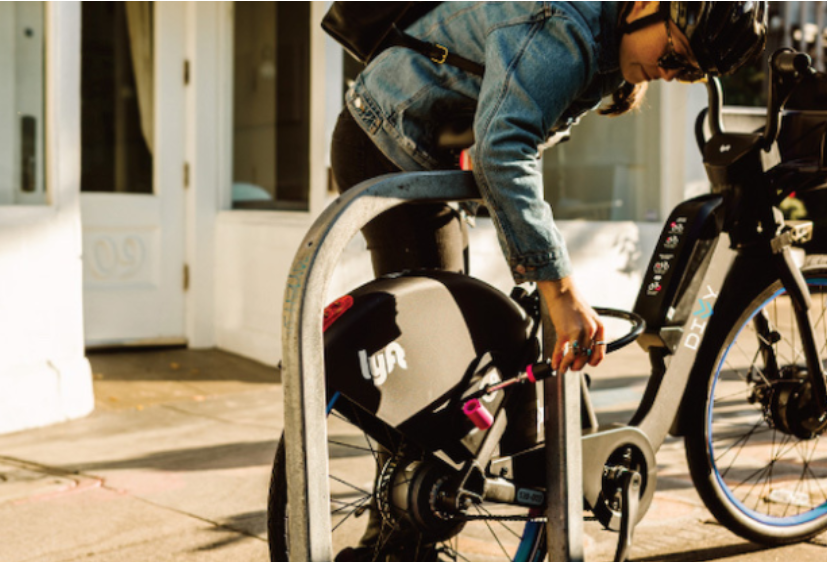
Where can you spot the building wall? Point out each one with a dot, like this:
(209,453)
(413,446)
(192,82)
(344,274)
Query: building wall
(44,376)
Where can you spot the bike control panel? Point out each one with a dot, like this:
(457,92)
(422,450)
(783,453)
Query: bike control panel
(678,259)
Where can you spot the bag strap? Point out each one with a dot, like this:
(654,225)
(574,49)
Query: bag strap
(434,51)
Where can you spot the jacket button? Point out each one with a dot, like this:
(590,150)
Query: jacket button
(520,269)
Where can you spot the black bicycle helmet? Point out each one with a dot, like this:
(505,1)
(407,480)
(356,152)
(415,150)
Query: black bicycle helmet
(722,35)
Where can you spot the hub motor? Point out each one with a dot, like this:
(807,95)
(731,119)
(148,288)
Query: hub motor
(408,494)
(791,407)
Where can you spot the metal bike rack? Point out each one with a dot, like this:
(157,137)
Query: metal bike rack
(564,459)
(305,429)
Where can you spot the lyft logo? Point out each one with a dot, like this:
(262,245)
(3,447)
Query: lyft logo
(378,366)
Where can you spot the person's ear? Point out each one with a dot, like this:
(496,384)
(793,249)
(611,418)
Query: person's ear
(641,9)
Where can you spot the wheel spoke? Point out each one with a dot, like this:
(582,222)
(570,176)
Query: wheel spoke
(751,361)
(344,519)
(496,538)
(344,505)
(504,526)
(742,440)
(349,446)
(349,485)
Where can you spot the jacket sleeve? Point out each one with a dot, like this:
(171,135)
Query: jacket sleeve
(527,87)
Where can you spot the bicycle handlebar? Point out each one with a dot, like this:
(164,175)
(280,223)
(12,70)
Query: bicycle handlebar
(791,62)
(786,69)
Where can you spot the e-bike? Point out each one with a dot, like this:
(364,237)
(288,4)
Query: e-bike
(430,380)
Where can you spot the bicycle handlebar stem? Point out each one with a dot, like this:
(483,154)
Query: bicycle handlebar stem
(786,69)
(715,95)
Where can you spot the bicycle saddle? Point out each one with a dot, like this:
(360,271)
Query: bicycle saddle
(456,134)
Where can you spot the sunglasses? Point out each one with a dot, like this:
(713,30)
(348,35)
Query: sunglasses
(672,60)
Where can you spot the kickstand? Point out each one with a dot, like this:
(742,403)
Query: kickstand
(630,482)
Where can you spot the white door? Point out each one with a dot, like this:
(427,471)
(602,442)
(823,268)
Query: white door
(133,177)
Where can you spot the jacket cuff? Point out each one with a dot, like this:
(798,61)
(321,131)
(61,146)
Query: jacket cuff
(541,267)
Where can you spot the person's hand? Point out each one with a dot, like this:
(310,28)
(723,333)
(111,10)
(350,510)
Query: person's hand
(579,329)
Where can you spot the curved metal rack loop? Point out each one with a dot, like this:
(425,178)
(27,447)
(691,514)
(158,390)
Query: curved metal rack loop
(302,342)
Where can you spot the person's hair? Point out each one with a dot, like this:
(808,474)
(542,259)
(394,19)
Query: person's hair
(625,99)
(629,96)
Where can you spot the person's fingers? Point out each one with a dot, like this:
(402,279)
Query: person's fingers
(598,346)
(581,358)
(567,359)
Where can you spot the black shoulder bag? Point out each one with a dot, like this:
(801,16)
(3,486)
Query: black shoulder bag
(365,29)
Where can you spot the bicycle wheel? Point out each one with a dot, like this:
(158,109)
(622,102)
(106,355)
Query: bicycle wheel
(759,459)
(383,506)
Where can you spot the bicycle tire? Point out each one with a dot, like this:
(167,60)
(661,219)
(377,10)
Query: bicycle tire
(757,477)
(472,543)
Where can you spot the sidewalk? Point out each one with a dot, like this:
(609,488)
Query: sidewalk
(174,465)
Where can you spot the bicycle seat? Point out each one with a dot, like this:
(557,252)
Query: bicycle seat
(456,134)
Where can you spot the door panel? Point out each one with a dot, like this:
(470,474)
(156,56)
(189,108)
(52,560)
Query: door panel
(133,241)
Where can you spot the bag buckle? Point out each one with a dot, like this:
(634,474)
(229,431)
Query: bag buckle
(442,56)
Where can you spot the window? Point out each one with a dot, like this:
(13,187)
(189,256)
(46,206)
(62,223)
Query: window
(271,106)
(116,97)
(607,171)
(22,113)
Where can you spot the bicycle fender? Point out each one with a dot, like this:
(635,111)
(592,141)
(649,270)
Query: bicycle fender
(411,345)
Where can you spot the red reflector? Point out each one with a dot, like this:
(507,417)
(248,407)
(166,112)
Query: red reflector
(465,162)
(336,309)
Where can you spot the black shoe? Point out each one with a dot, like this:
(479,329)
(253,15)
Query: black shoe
(359,554)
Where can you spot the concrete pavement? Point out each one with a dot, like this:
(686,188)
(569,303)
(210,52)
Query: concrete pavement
(174,466)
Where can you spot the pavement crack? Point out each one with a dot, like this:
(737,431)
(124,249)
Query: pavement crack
(48,469)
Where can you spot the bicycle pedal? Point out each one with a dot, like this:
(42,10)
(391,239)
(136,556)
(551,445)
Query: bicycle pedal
(630,483)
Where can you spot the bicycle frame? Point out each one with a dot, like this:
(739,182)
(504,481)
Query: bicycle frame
(699,267)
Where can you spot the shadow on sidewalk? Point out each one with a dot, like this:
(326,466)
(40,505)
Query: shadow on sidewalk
(127,378)
(218,457)
(704,554)
(251,524)
(176,364)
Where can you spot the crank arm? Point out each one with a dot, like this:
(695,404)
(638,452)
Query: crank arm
(630,506)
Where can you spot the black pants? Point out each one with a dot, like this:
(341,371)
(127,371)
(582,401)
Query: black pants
(417,236)
(412,236)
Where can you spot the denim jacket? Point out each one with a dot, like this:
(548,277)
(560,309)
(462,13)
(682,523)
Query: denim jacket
(546,63)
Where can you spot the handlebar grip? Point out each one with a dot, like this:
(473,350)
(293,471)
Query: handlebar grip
(791,62)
